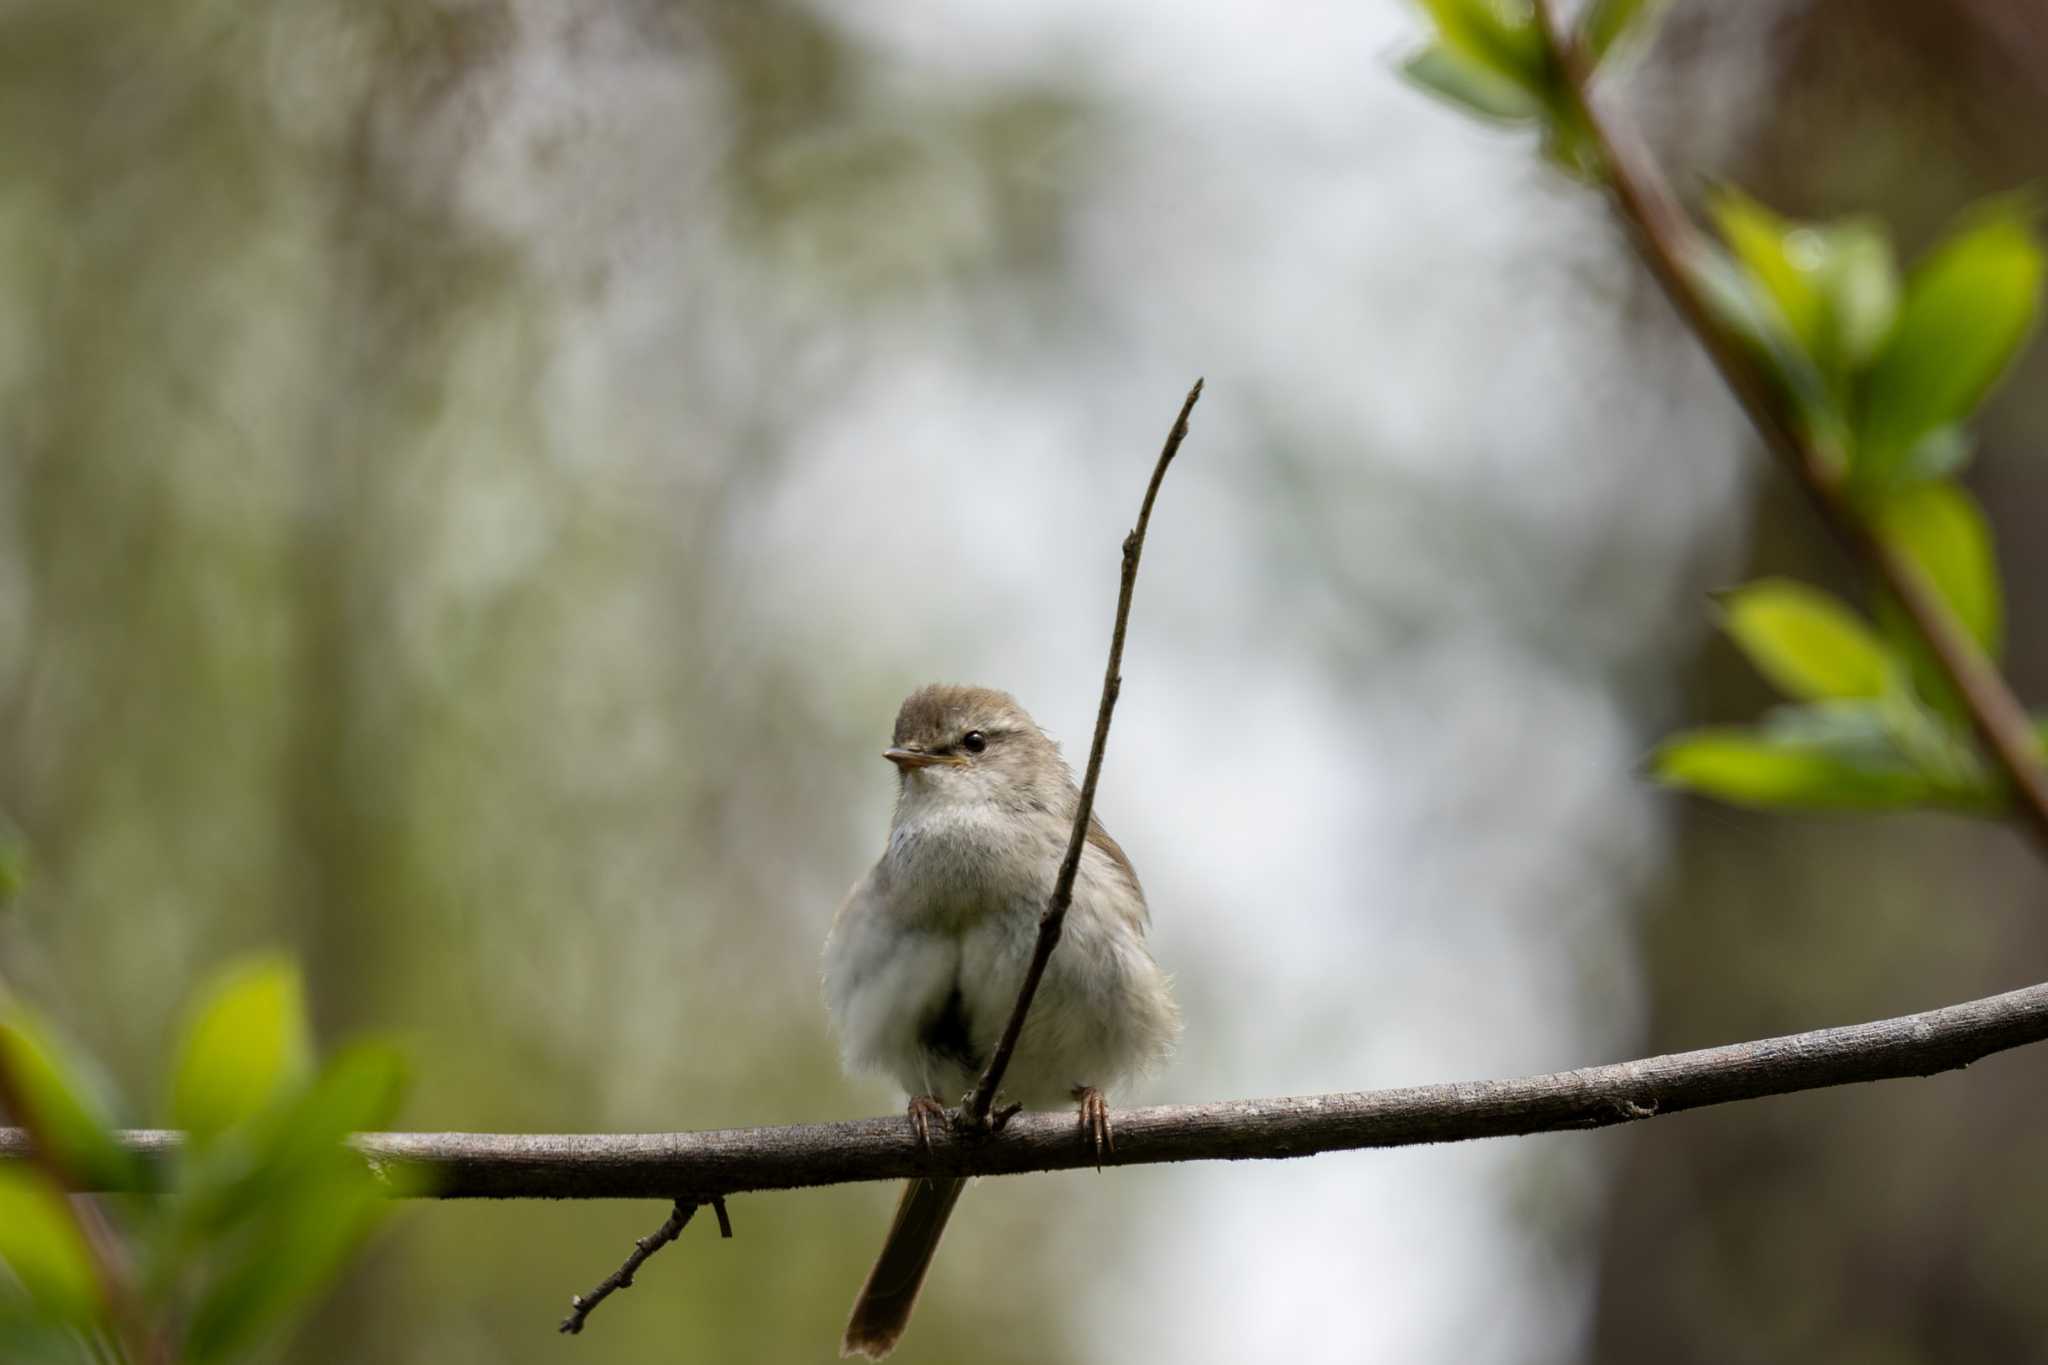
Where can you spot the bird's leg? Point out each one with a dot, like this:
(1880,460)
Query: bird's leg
(923,1109)
(1095,1121)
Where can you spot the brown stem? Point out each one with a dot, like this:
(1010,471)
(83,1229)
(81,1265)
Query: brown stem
(582,1305)
(1666,239)
(1055,916)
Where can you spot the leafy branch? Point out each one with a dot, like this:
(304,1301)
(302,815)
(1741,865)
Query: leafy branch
(260,1208)
(1863,384)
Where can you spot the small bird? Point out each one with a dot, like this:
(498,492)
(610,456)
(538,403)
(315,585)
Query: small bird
(925,957)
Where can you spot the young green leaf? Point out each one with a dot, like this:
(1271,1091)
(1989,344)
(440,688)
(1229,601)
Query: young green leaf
(1968,307)
(1762,241)
(1501,36)
(67,1105)
(301,1238)
(1941,529)
(1938,454)
(1893,733)
(1478,89)
(1750,768)
(41,1244)
(1744,304)
(358,1089)
(300,1135)
(1833,286)
(1859,281)
(1805,641)
(246,1046)
(305,1204)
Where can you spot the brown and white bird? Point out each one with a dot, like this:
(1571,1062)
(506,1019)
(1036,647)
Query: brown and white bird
(925,957)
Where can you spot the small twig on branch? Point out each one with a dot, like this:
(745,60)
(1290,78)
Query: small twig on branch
(1667,241)
(654,1165)
(582,1305)
(1055,916)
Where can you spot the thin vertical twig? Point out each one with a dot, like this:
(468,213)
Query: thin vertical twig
(1050,923)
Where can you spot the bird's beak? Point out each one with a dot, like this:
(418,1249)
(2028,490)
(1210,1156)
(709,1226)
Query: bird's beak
(907,759)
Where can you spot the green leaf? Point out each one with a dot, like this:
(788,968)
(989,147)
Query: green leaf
(41,1243)
(1941,529)
(300,1138)
(1478,89)
(246,1046)
(1892,734)
(302,1204)
(1968,307)
(67,1105)
(1856,731)
(1938,454)
(302,1238)
(1743,304)
(1761,242)
(358,1090)
(1501,36)
(1941,748)
(1751,768)
(1834,287)
(1805,641)
(1606,22)
(1859,279)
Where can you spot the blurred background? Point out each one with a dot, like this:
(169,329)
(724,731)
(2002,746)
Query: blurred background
(476,478)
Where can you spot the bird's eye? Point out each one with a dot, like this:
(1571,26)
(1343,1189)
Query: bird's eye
(975,742)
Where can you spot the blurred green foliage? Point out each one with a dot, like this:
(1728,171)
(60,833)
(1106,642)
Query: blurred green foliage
(1490,57)
(1882,376)
(1888,386)
(1494,59)
(253,1216)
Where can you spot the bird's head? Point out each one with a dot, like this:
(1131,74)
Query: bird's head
(955,743)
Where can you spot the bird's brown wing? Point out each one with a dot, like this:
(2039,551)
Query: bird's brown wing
(1111,849)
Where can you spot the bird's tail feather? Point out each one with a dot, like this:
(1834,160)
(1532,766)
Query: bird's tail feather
(883,1308)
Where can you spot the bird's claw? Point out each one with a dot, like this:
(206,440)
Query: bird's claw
(1095,1126)
(923,1109)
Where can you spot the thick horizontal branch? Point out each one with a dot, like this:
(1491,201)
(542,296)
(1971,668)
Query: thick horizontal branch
(701,1165)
